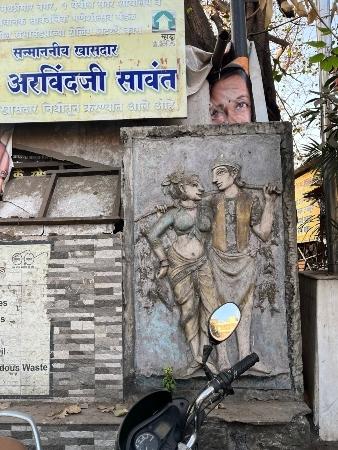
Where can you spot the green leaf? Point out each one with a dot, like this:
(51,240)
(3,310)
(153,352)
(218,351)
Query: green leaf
(277,76)
(316,44)
(168,381)
(325,30)
(317,58)
(335,51)
(329,63)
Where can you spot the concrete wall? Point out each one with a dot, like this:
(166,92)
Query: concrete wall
(89,144)
(97,144)
(319,295)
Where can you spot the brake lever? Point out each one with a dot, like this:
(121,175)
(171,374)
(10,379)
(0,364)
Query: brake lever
(207,349)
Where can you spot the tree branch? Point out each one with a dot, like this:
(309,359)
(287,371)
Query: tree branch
(254,13)
(282,42)
(222,6)
(217,19)
(273,28)
(314,7)
(198,28)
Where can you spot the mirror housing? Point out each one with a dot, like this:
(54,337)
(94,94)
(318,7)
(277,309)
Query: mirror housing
(222,323)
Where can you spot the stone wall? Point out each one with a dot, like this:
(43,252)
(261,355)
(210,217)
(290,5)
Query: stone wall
(69,437)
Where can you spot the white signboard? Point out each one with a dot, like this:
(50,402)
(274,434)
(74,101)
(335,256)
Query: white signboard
(24,326)
(81,60)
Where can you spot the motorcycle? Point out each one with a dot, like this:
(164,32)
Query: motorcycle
(159,422)
(7,443)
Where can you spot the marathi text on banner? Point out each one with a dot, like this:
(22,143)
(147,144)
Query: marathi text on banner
(92,60)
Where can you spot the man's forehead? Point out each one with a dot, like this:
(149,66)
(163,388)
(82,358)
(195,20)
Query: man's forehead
(232,88)
(233,81)
(221,168)
(222,162)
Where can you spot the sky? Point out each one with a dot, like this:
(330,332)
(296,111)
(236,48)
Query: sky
(226,311)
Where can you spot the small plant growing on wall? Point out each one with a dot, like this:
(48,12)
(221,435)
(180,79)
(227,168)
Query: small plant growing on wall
(169,382)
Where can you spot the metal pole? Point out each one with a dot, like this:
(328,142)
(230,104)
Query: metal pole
(330,179)
(238,27)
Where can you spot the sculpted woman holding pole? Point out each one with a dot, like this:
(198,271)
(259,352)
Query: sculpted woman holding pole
(185,262)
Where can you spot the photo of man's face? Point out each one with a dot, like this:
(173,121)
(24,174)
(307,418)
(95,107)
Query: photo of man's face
(230,101)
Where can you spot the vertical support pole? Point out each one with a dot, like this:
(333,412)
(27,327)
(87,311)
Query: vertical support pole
(330,189)
(330,179)
(238,27)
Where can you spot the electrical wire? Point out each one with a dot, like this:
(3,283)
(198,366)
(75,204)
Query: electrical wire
(17,206)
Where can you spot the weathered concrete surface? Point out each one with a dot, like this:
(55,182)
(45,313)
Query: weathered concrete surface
(90,144)
(295,435)
(23,197)
(198,107)
(44,414)
(257,426)
(34,232)
(97,144)
(259,412)
(319,294)
(320,445)
(150,155)
(82,196)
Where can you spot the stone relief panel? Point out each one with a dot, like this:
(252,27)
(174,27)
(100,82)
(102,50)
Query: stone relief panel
(208,229)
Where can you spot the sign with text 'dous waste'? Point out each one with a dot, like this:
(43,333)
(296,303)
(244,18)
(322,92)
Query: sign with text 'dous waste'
(24,322)
(91,60)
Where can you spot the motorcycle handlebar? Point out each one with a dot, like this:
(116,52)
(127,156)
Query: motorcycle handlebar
(224,379)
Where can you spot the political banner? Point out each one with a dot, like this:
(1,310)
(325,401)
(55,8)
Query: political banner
(91,60)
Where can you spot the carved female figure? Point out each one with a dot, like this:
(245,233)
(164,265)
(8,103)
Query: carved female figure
(185,262)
